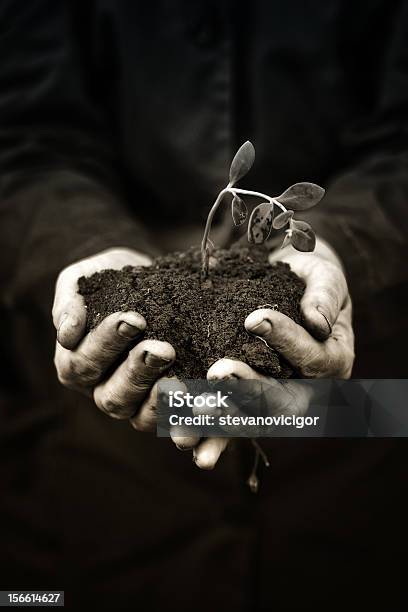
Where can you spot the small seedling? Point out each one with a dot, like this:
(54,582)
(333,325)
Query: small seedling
(300,196)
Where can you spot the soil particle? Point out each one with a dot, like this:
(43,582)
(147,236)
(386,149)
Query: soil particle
(203,322)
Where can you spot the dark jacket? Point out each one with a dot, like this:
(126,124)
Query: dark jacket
(119,119)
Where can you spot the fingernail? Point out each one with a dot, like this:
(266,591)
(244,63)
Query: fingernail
(262,328)
(319,309)
(154,361)
(183,447)
(126,330)
(63,318)
(67,321)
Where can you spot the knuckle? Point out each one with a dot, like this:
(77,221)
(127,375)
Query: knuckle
(133,367)
(340,362)
(64,370)
(82,369)
(111,405)
(64,376)
(143,422)
(139,376)
(310,365)
(309,371)
(65,382)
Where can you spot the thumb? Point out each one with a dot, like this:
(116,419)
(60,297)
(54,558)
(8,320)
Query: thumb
(69,312)
(325,294)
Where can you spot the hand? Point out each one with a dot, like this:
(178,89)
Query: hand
(325,349)
(83,360)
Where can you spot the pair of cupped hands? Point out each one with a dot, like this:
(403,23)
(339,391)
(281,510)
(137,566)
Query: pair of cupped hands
(85,362)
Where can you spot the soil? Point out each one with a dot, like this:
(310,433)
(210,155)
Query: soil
(203,323)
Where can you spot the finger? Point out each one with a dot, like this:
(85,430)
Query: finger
(207,453)
(279,397)
(184,437)
(146,418)
(187,437)
(311,358)
(123,393)
(324,297)
(68,311)
(245,396)
(226,369)
(326,286)
(343,337)
(235,371)
(85,366)
(230,369)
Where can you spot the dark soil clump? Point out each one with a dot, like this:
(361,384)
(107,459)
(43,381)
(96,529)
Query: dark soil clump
(203,324)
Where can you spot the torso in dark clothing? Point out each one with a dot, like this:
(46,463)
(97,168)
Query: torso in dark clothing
(159,95)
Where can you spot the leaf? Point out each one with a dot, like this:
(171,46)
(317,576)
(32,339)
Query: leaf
(301,196)
(301,225)
(304,241)
(286,241)
(260,223)
(282,219)
(242,162)
(239,211)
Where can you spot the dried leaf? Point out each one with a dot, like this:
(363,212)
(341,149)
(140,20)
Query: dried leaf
(260,223)
(239,211)
(253,483)
(301,196)
(242,162)
(282,219)
(304,241)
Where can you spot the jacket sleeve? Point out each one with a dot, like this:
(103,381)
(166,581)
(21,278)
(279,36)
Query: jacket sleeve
(364,213)
(60,194)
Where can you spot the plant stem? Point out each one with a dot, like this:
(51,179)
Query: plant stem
(204,250)
(228,189)
(257,194)
(261,452)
